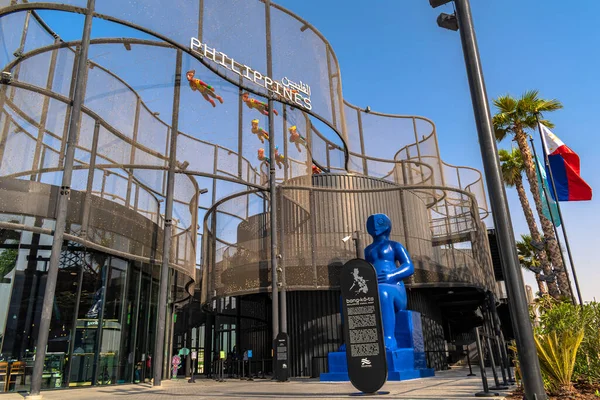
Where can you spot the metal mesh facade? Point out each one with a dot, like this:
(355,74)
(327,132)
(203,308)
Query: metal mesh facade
(349,163)
(123,144)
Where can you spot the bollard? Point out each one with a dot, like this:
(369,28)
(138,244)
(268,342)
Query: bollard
(469,362)
(193,374)
(250,370)
(501,361)
(511,379)
(263,369)
(486,390)
(243,377)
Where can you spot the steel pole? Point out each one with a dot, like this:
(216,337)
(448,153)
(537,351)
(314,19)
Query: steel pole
(283,318)
(159,345)
(480,353)
(469,362)
(272,184)
(360,251)
(63,203)
(530,367)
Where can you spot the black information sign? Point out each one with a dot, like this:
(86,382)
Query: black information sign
(363,333)
(282,370)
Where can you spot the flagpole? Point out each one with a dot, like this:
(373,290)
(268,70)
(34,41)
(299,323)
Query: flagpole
(546,194)
(564,229)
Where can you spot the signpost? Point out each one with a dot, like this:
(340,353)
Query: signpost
(282,371)
(363,333)
(220,366)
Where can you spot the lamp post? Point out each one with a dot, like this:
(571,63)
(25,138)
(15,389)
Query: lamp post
(530,367)
(272,188)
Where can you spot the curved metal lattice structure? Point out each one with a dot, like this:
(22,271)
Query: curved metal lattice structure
(368,161)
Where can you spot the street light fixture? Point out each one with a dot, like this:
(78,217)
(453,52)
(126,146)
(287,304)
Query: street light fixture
(437,3)
(447,21)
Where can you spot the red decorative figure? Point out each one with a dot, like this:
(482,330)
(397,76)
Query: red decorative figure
(258,105)
(205,89)
(258,131)
(261,156)
(316,170)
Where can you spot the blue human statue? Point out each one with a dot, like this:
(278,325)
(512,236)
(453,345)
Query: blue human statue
(385,255)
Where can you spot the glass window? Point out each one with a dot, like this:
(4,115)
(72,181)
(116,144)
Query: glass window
(63,316)
(89,312)
(112,321)
(127,365)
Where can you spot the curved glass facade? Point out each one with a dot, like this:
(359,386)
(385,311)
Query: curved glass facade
(103,325)
(156,151)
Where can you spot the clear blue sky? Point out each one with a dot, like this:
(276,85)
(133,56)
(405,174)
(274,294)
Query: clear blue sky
(395,59)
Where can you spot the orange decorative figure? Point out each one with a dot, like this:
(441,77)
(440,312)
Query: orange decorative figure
(279,158)
(204,88)
(296,138)
(261,156)
(258,131)
(316,170)
(258,105)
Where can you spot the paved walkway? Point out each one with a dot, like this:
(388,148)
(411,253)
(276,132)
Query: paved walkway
(446,385)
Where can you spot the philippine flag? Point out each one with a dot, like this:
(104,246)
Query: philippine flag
(564,164)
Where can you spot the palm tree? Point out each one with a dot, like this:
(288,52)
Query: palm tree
(512,175)
(514,118)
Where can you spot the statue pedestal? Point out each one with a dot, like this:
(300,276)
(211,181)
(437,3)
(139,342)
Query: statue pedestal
(406,362)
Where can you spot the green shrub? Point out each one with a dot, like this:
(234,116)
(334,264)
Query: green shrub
(557,353)
(560,317)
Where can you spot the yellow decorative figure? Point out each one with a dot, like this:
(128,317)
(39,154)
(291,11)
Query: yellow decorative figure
(205,89)
(258,131)
(296,138)
(258,105)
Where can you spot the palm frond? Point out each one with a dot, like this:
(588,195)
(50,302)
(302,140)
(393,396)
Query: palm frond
(530,96)
(500,133)
(528,258)
(544,105)
(506,104)
(502,123)
(511,164)
(529,121)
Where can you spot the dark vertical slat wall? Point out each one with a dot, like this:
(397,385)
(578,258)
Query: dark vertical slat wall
(313,318)
(420,300)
